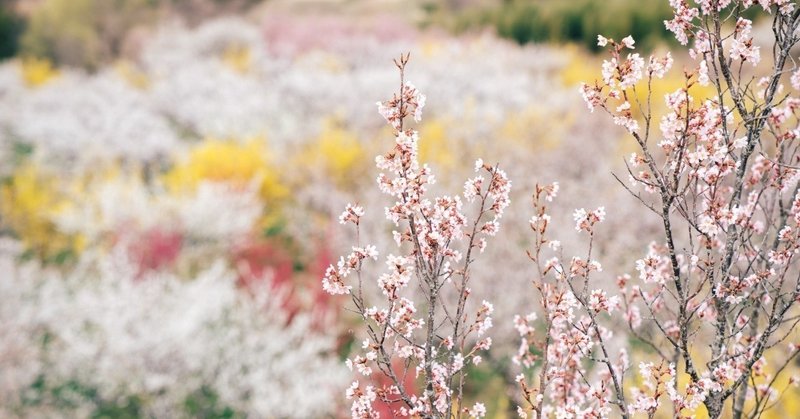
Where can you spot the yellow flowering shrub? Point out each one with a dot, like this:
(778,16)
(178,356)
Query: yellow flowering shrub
(430,48)
(437,147)
(233,162)
(37,71)
(238,58)
(29,200)
(332,64)
(581,66)
(337,152)
(536,128)
(132,75)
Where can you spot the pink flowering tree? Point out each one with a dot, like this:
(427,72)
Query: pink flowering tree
(423,322)
(714,299)
(555,349)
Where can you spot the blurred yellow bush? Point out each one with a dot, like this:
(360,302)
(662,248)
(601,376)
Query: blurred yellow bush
(536,128)
(28,202)
(37,71)
(435,146)
(238,58)
(240,164)
(337,152)
(132,75)
(229,161)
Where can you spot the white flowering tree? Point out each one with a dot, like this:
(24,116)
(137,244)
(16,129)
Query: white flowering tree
(715,299)
(103,340)
(436,243)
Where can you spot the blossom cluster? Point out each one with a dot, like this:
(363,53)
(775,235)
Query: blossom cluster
(435,241)
(723,185)
(556,381)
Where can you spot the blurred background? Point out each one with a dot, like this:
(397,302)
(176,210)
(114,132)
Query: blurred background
(171,172)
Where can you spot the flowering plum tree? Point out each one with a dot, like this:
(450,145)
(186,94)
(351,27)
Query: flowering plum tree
(715,298)
(562,385)
(436,243)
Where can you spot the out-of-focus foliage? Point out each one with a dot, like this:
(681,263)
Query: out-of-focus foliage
(567,21)
(83,33)
(90,33)
(11,27)
(195,11)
